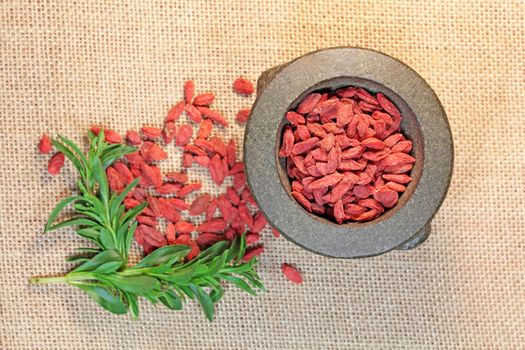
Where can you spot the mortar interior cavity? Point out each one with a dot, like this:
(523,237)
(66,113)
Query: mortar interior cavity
(410,128)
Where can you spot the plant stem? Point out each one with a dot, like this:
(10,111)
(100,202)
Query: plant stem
(70,277)
(43,280)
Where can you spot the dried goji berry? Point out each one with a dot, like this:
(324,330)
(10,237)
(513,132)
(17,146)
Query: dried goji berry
(291,273)
(205,129)
(243,115)
(169,132)
(55,163)
(186,190)
(182,226)
(189,91)
(253,252)
(194,114)
(170,233)
(200,204)
(214,225)
(214,116)
(175,112)
(183,135)
(45,145)
(243,86)
(151,132)
(177,177)
(114,180)
(205,99)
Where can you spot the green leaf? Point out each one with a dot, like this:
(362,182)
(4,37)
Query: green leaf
(92,137)
(234,249)
(140,285)
(216,295)
(238,282)
(242,267)
(61,205)
(112,154)
(151,298)
(211,252)
(71,156)
(75,148)
(96,203)
(100,176)
(88,212)
(108,267)
(82,187)
(254,280)
(131,214)
(165,254)
(77,259)
(171,300)
(129,236)
(179,293)
(104,298)
(133,305)
(89,250)
(115,202)
(89,233)
(73,222)
(242,246)
(205,301)
(106,239)
(100,144)
(116,217)
(180,276)
(100,259)
(217,263)
(187,291)
(158,270)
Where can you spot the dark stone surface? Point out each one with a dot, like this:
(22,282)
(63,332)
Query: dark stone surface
(405,226)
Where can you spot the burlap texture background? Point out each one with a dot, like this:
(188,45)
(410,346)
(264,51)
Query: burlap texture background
(65,65)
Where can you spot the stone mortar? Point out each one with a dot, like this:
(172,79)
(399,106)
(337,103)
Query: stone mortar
(405,226)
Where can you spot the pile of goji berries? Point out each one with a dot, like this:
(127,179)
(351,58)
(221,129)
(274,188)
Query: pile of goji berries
(161,223)
(346,157)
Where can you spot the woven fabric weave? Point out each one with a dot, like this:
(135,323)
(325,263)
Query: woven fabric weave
(65,65)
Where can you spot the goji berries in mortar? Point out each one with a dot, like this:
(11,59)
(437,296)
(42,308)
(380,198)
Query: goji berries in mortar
(346,157)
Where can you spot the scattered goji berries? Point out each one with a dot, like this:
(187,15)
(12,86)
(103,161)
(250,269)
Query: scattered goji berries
(169,215)
(340,149)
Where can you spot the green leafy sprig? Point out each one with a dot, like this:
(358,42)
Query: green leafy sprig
(162,276)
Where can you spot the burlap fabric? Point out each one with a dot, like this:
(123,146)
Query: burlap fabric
(65,65)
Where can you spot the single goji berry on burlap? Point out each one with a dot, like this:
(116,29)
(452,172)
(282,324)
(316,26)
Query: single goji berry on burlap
(291,273)
(45,145)
(189,91)
(55,163)
(243,115)
(243,86)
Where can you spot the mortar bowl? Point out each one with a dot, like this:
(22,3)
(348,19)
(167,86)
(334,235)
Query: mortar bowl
(282,88)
